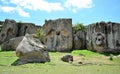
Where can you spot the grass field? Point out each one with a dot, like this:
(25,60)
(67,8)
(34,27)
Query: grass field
(93,63)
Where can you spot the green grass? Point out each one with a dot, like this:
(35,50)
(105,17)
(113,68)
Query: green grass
(6,58)
(56,66)
(85,52)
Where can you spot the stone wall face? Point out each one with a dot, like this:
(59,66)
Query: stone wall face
(58,35)
(103,37)
(113,37)
(79,40)
(29,28)
(11,29)
(8,31)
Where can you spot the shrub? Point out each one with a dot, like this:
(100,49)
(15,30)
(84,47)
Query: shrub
(79,26)
(40,34)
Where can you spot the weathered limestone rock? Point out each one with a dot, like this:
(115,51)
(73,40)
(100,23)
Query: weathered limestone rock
(1,23)
(11,44)
(58,35)
(9,30)
(27,28)
(31,50)
(79,40)
(104,37)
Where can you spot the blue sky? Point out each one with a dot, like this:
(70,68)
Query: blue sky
(83,11)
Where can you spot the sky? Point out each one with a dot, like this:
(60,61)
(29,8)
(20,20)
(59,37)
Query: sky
(81,11)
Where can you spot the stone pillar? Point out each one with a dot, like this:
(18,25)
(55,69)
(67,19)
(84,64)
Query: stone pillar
(59,35)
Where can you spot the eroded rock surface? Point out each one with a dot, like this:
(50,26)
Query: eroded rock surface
(104,37)
(11,44)
(31,50)
(26,28)
(58,35)
(79,40)
(9,30)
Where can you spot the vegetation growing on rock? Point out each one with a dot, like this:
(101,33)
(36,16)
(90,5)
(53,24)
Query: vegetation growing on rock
(40,34)
(79,26)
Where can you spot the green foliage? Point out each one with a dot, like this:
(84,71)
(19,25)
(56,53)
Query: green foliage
(79,26)
(20,22)
(6,58)
(40,34)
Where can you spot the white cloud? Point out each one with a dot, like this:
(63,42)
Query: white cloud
(74,10)
(38,5)
(22,13)
(20,6)
(7,9)
(75,5)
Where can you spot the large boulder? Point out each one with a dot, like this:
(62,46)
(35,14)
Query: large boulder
(9,30)
(79,40)
(103,37)
(31,50)
(11,44)
(58,35)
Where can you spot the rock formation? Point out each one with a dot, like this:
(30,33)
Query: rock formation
(58,35)
(79,40)
(100,36)
(31,50)
(26,28)
(1,23)
(11,44)
(11,29)
(103,37)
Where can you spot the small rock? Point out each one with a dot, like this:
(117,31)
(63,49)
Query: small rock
(67,58)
